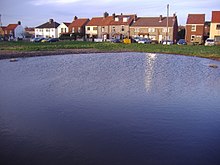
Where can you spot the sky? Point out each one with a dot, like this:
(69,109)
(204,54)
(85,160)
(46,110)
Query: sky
(33,13)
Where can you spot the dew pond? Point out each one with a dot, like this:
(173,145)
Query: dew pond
(110,109)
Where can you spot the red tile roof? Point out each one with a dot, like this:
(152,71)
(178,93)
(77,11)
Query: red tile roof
(11,26)
(196,19)
(215,16)
(96,21)
(79,22)
(154,22)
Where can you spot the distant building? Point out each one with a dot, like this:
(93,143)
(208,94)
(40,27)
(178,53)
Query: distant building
(215,26)
(29,32)
(47,30)
(77,27)
(92,27)
(14,31)
(63,28)
(195,28)
(155,28)
(207,30)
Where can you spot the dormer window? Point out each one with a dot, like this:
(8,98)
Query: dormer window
(125,19)
(116,19)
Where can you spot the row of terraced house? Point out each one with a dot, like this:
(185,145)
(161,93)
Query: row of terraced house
(126,26)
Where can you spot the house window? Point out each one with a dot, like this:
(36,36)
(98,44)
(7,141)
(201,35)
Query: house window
(218,27)
(193,28)
(79,29)
(116,19)
(125,19)
(151,30)
(47,30)
(122,28)
(88,28)
(73,30)
(136,29)
(192,37)
(113,29)
(103,29)
(61,30)
(95,28)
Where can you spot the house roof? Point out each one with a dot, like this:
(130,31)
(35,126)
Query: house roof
(11,26)
(153,22)
(3,27)
(196,19)
(79,22)
(50,24)
(120,19)
(215,16)
(95,21)
(67,23)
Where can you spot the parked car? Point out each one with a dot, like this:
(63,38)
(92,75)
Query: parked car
(181,42)
(53,40)
(209,42)
(36,39)
(136,39)
(115,40)
(167,42)
(144,41)
(45,40)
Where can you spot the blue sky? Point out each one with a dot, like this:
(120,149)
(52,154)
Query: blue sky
(35,12)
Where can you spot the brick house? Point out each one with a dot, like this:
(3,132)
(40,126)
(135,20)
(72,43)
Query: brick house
(215,26)
(78,26)
(195,28)
(155,28)
(119,27)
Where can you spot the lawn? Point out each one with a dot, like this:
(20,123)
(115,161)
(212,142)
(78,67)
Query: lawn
(198,50)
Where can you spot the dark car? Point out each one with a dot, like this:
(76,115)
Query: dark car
(53,40)
(181,42)
(115,40)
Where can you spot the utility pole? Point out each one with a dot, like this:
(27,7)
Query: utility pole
(167,22)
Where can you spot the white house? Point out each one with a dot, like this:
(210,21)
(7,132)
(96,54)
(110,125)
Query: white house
(47,30)
(63,28)
(15,31)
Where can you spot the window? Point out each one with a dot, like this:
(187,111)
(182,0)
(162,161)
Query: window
(73,30)
(61,30)
(193,28)
(122,28)
(192,37)
(88,28)
(218,27)
(151,30)
(136,29)
(47,30)
(116,19)
(125,19)
(113,29)
(95,28)
(79,29)
(103,29)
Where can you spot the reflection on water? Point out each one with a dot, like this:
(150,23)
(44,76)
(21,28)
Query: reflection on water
(126,108)
(149,70)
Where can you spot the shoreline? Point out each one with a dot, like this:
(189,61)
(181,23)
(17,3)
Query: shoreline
(8,54)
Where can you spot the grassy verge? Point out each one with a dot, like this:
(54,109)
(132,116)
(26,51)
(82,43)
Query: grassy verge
(200,51)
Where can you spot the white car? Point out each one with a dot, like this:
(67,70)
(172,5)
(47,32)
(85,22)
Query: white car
(144,41)
(167,42)
(209,42)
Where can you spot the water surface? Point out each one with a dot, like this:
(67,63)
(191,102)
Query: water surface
(110,109)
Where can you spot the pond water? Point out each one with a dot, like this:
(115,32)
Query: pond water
(110,109)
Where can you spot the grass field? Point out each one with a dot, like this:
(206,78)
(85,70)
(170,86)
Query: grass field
(199,50)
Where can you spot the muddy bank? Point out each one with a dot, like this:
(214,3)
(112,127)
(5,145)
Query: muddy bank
(8,54)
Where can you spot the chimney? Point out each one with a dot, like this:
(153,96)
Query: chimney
(160,19)
(121,13)
(174,16)
(75,18)
(113,15)
(106,14)
(50,21)
(19,22)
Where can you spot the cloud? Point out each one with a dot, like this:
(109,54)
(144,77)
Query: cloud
(49,2)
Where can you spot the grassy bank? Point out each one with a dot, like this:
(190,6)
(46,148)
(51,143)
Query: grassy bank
(200,51)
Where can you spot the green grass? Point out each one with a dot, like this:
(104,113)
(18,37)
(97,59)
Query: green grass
(200,50)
